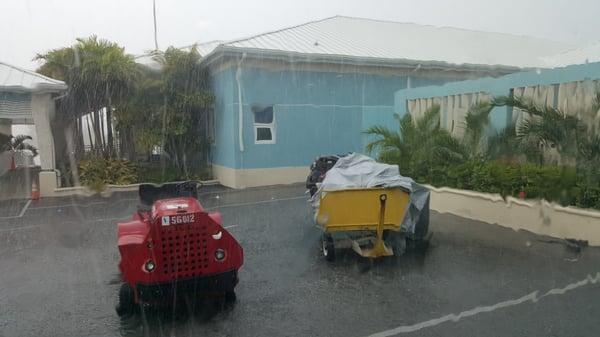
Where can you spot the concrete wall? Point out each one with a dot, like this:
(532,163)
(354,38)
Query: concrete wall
(500,86)
(43,109)
(537,216)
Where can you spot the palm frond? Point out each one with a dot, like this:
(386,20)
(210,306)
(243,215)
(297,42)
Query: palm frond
(477,117)
(27,147)
(19,139)
(476,121)
(386,139)
(430,120)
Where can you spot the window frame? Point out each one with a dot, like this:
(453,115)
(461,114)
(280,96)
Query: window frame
(271,126)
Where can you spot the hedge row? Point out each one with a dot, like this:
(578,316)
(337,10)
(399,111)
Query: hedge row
(564,185)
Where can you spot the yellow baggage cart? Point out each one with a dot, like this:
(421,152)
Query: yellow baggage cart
(361,217)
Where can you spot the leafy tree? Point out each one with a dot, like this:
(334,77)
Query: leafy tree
(168,109)
(187,102)
(139,121)
(165,108)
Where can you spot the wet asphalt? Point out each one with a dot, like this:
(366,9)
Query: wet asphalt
(59,277)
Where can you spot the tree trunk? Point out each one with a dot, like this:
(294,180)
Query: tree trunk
(72,160)
(89,128)
(80,143)
(185,168)
(162,142)
(60,124)
(96,125)
(109,131)
(127,146)
(102,118)
(88,117)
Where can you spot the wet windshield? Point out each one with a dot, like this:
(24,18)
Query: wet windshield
(314,168)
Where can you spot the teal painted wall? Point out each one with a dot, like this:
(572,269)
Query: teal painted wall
(315,113)
(225,121)
(495,87)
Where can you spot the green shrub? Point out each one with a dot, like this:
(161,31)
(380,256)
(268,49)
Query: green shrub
(97,172)
(564,185)
(153,174)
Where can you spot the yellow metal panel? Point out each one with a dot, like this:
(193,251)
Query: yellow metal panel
(358,209)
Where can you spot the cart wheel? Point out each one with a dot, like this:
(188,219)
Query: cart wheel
(126,305)
(328,247)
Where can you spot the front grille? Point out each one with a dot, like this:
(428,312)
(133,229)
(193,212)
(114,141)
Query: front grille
(184,251)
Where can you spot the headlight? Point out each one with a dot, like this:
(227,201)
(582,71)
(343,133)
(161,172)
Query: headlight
(219,254)
(149,266)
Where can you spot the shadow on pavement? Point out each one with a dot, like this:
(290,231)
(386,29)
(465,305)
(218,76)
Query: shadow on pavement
(165,320)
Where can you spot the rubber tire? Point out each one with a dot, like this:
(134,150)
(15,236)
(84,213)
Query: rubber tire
(328,247)
(417,246)
(126,305)
(230,296)
(396,241)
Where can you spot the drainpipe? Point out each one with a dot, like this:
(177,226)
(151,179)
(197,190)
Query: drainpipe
(238,79)
(408,79)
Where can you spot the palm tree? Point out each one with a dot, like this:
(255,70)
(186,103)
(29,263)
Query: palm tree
(476,123)
(545,128)
(419,146)
(99,75)
(17,144)
(14,144)
(185,108)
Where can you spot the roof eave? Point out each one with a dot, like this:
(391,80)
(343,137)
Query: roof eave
(223,50)
(39,89)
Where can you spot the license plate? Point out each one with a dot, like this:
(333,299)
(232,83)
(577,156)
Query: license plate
(178,219)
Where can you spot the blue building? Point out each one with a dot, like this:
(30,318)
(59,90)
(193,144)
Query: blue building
(285,97)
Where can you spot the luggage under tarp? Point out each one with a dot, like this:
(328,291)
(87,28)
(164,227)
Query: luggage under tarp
(355,171)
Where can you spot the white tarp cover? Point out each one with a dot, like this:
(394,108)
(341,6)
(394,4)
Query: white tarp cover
(359,171)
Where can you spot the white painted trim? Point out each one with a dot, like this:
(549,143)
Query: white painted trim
(109,189)
(537,216)
(271,128)
(243,178)
(532,297)
(312,105)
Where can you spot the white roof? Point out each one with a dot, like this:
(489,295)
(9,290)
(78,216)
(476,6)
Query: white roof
(206,48)
(16,79)
(203,48)
(589,53)
(385,40)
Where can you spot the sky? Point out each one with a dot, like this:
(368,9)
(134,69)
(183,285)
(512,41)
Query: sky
(28,27)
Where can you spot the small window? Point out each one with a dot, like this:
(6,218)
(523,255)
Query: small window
(263,134)
(264,125)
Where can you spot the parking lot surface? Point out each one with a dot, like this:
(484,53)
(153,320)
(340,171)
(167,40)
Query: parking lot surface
(59,277)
